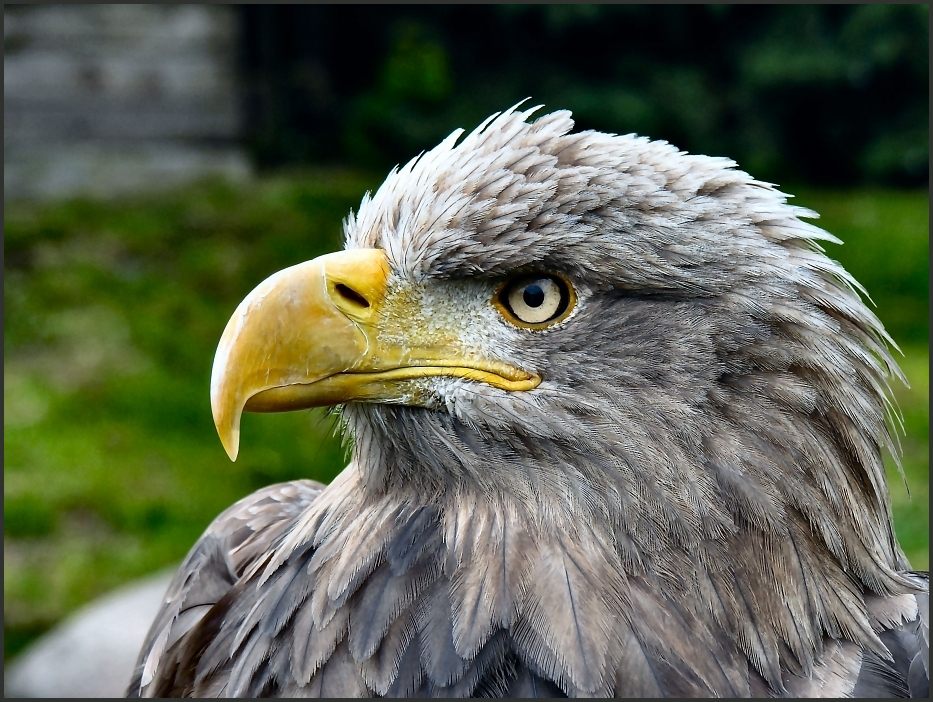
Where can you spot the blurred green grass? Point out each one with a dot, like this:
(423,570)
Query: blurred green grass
(113,312)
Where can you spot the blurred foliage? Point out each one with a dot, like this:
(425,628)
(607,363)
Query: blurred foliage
(829,94)
(885,246)
(113,312)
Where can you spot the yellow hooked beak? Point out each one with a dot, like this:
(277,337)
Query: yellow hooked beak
(318,334)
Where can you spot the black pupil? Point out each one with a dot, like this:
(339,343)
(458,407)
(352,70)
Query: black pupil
(533,295)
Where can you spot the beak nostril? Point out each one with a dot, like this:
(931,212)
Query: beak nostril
(351,295)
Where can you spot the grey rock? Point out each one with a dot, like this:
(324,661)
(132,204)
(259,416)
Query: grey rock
(92,653)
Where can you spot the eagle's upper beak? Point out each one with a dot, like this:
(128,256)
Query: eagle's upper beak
(319,333)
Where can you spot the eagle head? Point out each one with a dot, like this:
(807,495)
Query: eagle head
(634,349)
(579,317)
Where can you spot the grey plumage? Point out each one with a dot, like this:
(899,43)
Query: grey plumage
(691,503)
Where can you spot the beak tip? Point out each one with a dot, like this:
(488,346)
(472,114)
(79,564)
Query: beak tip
(231,444)
(228,430)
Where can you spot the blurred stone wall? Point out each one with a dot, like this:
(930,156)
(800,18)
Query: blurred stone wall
(109,99)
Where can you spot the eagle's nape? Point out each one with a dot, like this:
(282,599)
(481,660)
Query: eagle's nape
(685,498)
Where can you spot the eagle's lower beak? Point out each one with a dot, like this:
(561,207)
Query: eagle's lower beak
(314,334)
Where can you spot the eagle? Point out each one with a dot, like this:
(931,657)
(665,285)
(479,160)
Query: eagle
(616,428)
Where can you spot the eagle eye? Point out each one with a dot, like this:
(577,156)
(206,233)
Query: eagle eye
(535,301)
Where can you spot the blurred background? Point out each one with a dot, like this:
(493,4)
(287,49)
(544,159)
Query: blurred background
(162,160)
